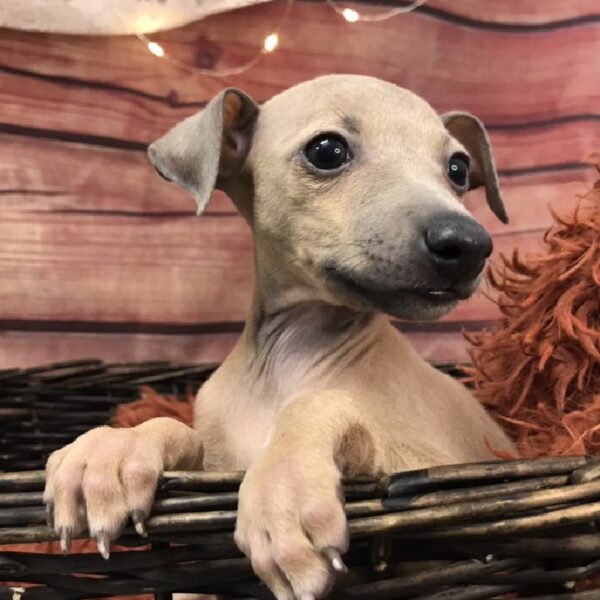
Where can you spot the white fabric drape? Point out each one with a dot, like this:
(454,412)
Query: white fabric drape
(109,16)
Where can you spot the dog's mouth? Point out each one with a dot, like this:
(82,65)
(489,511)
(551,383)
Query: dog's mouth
(384,295)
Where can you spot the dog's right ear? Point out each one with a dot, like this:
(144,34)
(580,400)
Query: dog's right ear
(209,145)
(470,131)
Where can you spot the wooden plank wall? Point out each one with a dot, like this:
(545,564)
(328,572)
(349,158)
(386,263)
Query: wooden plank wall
(100,257)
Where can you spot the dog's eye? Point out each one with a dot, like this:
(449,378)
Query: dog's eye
(458,170)
(327,152)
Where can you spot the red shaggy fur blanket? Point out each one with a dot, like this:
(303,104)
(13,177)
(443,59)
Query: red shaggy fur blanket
(538,368)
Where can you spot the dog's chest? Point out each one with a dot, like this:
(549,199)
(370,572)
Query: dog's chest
(425,418)
(236,415)
(235,426)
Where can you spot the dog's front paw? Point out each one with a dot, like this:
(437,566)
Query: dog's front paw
(98,482)
(291,523)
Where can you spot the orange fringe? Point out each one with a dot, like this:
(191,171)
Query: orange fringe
(152,404)
(538,368)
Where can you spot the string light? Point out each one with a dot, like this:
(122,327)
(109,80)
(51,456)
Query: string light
(352,16)
(156,49)
(271,42)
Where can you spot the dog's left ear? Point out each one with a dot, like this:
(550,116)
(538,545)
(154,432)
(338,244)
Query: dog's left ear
(207,147)
(471,133)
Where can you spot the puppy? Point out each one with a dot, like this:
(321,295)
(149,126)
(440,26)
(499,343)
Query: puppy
(353,190)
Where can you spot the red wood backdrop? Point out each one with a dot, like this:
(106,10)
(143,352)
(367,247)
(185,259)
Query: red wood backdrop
(100,257)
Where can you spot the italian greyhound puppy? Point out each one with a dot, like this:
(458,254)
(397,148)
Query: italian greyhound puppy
(353,190)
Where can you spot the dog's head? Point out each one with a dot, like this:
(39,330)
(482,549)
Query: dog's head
(353,188)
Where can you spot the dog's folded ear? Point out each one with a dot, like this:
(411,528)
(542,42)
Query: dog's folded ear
(207,146)
(471,133)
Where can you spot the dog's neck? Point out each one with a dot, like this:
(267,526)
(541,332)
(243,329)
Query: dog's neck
(306,341)
(292,339)
(310,326)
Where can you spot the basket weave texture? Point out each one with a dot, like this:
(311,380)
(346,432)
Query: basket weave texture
(493,530)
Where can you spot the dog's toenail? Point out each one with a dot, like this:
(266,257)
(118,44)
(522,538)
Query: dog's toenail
(137,517)
(103,545)
(65,540)
(335,558)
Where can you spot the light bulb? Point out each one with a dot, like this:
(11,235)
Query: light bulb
(350,15)
(156,49)
(271,42)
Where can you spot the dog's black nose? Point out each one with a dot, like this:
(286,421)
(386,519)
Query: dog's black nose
(458,246)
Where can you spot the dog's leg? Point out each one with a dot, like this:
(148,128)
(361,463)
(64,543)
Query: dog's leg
(109,475)
(291,520)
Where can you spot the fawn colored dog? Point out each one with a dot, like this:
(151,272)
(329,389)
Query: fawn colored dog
(352,188)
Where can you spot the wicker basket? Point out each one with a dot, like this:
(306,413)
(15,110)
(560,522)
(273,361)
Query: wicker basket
(494,530)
